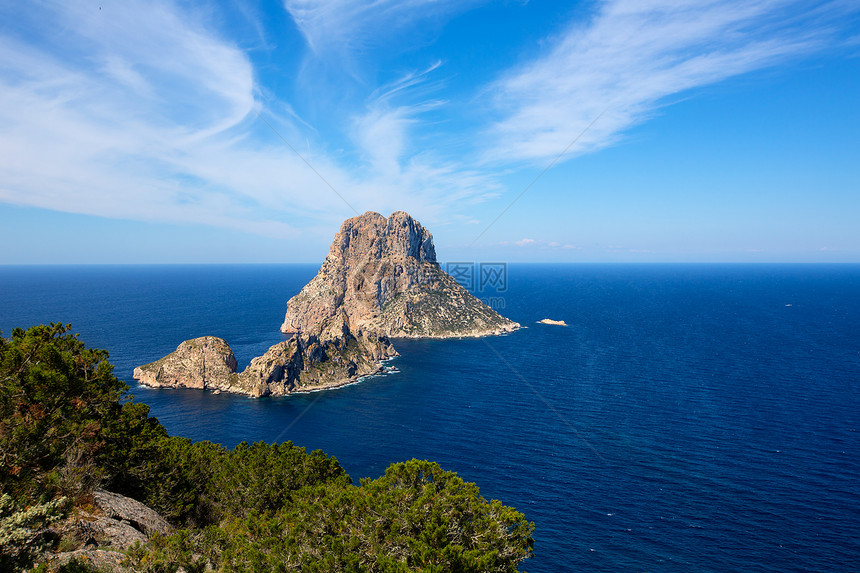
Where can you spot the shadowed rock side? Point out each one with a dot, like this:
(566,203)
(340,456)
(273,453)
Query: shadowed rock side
(303,363)
(383,275)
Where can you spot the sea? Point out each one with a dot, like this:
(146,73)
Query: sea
(688,418)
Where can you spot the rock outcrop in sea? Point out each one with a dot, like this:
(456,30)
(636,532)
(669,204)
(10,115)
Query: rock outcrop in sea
(552,322)
(380,280)
(382,273)
(206,363)
(304,362)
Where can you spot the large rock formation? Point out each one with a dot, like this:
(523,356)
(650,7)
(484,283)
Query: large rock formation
(383,275)
(206,363)
(379,280)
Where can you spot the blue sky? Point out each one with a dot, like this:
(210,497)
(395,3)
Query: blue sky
(162,132)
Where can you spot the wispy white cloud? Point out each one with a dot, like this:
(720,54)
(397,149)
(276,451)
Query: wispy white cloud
(632,55)
(144,111)
(382,131)
(141,112)
(381,135)
(106,115)
(347,26)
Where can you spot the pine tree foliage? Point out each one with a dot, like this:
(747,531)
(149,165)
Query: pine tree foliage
(67,425)
(22,529)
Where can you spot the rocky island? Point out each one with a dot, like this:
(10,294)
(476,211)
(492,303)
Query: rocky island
(304,362)
(379,281)
(552,322)
(382,273)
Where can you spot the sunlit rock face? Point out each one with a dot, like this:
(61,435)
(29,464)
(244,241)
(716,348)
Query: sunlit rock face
(383,275)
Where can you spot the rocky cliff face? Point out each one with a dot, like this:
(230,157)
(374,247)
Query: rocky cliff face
(310,362)
(383,275)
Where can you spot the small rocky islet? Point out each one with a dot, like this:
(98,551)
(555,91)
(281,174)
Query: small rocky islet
(379,281)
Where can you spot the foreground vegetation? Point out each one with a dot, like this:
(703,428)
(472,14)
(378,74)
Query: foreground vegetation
(67,426)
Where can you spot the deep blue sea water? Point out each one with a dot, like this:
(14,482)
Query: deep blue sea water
(689,418)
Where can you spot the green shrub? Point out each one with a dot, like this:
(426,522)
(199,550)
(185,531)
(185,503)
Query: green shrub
(56,397)
(22,529)
(67,425)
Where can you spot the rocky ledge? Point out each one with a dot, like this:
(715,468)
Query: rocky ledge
(380,280)
(99,533)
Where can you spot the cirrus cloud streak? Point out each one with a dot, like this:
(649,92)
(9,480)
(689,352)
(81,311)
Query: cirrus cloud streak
(634,56)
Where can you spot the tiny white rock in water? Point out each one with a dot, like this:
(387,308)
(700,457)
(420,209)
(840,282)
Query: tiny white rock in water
(551,321)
